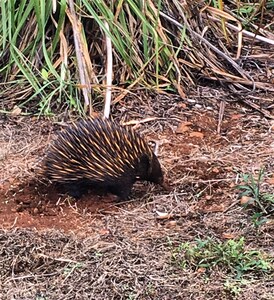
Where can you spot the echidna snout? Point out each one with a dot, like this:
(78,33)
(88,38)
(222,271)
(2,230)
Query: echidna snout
(155,173)
(101,154)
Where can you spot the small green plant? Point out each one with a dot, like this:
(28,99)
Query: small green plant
(258,219)
(270,4)
(68,270)
(230,255)
(246,11)
(251,187)
(234,287)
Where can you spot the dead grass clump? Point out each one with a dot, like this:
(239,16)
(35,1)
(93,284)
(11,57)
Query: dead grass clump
(170,48)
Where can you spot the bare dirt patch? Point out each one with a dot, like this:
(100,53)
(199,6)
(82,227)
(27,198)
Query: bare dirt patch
(54,247)
(188,156)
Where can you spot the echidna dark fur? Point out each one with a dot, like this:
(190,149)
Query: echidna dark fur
(100,154)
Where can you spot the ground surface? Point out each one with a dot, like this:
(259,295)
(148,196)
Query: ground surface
(53,247)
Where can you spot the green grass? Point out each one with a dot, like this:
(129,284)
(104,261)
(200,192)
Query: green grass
(261,202)
(33,42)
(234,286)
(153,48)
(230,255)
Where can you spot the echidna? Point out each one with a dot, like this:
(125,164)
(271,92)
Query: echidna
(99,153)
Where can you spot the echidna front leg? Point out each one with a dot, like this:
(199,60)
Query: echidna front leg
(122,188)
(76,189)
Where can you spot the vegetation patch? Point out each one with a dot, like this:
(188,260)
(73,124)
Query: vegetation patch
(253,196)
(230,255)
(53,53)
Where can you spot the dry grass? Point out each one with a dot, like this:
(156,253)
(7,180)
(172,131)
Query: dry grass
(21,144)
(120,265)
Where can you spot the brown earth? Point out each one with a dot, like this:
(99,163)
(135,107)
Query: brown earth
(202,168)
(31,202)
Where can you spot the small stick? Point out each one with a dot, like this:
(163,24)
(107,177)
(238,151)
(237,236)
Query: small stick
(109,73)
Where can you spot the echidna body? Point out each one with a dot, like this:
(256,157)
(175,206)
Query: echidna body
(99,153)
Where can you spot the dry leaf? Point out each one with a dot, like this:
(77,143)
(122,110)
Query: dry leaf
(245,199)
(182,105)
(201,270)
(16,111)
(171,223)
(236,117)
(104,232)
(196,134)
(215,170)
(81,86)
(270,180)
(163,215)
(227,235)
(214,208)
(95,114)
(183,127)
(181,91)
